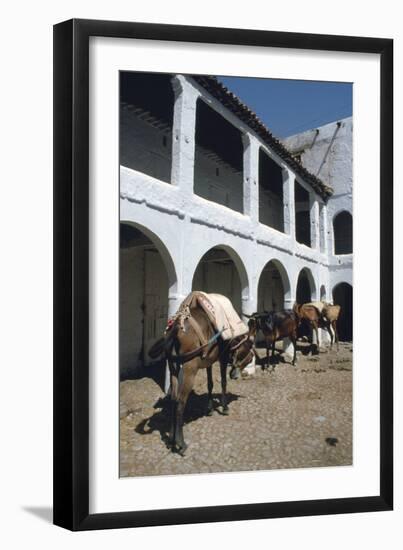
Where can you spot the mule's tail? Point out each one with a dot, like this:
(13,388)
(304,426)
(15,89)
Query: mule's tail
(157,348)
(164,344)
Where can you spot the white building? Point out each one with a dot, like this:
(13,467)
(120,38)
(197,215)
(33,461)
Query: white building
(210,200)
(327,152)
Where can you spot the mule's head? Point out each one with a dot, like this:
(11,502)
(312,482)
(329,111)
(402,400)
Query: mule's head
(253,326)
(242,355)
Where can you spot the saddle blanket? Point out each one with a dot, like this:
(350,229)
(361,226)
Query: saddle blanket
(222,314)
(318,305)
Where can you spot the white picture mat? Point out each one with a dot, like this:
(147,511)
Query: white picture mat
(108,493)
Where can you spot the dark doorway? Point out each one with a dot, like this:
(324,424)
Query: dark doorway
(343,296)
(304,290)
(343,233)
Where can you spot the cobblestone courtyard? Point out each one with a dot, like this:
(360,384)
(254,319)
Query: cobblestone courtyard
(292,418)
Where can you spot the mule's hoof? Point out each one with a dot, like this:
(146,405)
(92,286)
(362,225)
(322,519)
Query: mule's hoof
(181,450)
(225,411)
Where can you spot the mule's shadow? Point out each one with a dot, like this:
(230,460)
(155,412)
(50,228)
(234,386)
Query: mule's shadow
(155,371)
(304,347)
(196,408)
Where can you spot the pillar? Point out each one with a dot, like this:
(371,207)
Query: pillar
(249,305)
(288,347)
(289,202)
(174,301)
(314,216)
(251,176)
(324,229)
(183,134)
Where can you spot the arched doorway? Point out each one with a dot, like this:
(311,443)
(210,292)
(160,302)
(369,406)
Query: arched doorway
(343,233)
(220,270)
(343,296)
(305,286)
(322,293)
(145,276)
(273,287)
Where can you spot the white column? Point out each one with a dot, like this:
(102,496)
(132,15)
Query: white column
(314,216)
(324,229)
(288,347)
(174,301)
(249,305)
(251,177)
(183,134)
(289,202)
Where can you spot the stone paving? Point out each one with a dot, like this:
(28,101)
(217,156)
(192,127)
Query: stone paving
(292,418)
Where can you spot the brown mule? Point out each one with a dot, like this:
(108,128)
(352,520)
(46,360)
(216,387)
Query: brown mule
(329,317)
(191,343)
(320,315)
(275,325)
(310,314)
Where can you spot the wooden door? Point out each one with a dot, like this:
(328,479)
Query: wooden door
(155,300)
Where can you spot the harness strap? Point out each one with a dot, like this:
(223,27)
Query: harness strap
(181,359)
(242,341)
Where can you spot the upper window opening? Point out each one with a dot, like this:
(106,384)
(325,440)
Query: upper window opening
(146,118)
(271,206)
(218,152)
(302,215)
(343,233)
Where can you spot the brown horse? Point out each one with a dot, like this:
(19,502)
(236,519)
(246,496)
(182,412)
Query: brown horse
(192,343)
(320,315)
(329,317)
(310,314)
(275,325)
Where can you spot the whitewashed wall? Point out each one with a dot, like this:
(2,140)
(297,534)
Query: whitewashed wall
(184,226)
(327,152)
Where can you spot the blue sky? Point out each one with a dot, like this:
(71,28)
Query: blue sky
(289,107)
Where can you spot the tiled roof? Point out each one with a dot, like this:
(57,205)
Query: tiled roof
(212,85)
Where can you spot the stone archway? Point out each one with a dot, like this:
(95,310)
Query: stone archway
(273,287)
(146,276)
(220,270)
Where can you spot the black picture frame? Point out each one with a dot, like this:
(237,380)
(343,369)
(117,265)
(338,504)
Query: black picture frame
(71,274)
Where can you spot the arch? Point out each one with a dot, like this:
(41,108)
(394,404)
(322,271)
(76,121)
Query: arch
(162,249)
(220,269)
(343,232)
(343,296)
(274,287)
(235,257)
(147,277)
(306,287)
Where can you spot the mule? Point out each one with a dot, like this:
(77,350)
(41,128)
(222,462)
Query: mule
(329,317)
(192,343)
(320,315)
(310,314)
(274,326)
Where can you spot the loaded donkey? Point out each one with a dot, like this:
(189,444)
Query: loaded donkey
(205,329)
